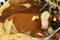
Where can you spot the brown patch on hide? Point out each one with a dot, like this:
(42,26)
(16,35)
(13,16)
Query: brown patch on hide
(23,22)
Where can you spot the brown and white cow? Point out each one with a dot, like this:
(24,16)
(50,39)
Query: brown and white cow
(24,18)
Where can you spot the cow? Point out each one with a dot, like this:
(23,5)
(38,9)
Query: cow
(24,17)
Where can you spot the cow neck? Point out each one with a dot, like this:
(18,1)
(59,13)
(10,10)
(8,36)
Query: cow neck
(22,8)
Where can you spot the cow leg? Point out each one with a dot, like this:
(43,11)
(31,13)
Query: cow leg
(8,25)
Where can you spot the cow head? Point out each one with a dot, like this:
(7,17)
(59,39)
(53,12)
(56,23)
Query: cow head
(44,19)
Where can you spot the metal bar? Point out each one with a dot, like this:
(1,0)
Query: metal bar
(53,33)
(43,7)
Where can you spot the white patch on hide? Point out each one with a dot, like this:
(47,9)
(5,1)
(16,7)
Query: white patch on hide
(8,25)
(35,17)
(50,30)
(27,5)
(40,34)
(44,19)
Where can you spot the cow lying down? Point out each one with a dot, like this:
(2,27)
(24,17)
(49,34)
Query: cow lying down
(27,24)
(25,19)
